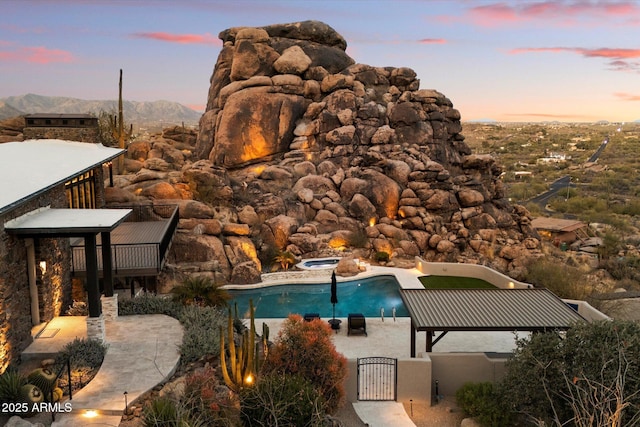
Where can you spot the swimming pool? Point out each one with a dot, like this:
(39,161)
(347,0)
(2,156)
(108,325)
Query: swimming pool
(366,296)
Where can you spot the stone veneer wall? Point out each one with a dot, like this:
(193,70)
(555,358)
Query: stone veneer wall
(86,134)
(55,288)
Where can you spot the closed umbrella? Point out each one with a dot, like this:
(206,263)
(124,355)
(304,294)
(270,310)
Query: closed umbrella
(334,294)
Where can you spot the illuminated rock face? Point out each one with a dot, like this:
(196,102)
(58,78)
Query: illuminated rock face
(255,125)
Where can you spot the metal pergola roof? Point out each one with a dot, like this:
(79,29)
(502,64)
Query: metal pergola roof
(447,310)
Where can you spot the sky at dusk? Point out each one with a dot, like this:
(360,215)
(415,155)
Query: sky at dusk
(501,60)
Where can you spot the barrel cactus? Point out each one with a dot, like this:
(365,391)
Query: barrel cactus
(44,379)
(31,394)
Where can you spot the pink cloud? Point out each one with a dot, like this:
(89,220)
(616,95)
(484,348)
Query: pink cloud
(36,55)
(554,12)
(181,38)
(432,41)
(627,96)
(619,57)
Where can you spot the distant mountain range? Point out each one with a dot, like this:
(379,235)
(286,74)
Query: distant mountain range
(137,113)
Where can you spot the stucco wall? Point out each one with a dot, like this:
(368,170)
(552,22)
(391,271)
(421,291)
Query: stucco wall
(452,370)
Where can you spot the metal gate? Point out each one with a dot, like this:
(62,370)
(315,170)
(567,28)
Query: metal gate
(377,378)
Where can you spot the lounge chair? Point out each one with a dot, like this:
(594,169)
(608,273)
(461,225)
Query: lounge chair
(308,317)
(357,322)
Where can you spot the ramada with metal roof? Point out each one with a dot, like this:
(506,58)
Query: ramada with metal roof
(444,310)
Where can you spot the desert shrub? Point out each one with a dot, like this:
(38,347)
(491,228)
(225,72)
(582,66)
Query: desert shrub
(206,400)
(200,290)
(560,278)
(306,349)
(282,400)
(482,402)
(627,268)
(358,239)
(381,256)
(165,412)
(82,353)
(149,304)
(591,376)
(201,332)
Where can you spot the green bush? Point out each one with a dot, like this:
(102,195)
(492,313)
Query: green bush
(201,332)
(149,304)
(282,400)
(200,290)
(381,256)
(82,353)
(482,402)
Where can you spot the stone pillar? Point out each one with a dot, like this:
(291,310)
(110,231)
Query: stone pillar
(96,328)
(110,307)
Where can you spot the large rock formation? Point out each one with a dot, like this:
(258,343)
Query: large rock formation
(313,153)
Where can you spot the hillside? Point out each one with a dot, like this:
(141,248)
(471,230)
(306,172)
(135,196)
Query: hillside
(139,113)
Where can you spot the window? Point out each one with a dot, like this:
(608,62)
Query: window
(81,191)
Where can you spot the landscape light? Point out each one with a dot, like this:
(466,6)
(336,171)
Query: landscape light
(90,414)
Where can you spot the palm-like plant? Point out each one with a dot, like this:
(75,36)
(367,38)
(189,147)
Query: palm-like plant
(285,259)
(201,291)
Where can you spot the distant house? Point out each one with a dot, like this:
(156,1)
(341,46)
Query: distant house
(53,226)
(560,231)
(71,127)
(553,158)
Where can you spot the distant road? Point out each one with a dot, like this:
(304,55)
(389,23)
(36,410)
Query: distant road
(564,183)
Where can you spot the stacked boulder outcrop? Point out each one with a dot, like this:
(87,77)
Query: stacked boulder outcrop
(302,149)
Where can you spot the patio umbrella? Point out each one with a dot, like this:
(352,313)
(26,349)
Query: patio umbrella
(334,293)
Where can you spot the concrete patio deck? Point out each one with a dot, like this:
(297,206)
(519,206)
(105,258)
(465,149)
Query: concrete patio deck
(142,352)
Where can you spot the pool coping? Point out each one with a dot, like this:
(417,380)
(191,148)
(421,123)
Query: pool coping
(407,277)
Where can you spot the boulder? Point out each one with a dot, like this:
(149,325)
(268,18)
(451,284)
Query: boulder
(247,215)
(292,61)
(347,267)
(245,273)
(268,122)
(281,228)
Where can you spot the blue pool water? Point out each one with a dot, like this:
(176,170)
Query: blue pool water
(364,296)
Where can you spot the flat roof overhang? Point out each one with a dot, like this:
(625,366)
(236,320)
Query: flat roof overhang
(47,222)
(86,223)
(444,310)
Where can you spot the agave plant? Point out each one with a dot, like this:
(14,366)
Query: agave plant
(201,291)
(11,382)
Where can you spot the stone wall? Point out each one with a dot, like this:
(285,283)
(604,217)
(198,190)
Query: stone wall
(54,287)
(70,134)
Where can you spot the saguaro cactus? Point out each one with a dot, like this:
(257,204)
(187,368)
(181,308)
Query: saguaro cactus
(244,360)
(117,127)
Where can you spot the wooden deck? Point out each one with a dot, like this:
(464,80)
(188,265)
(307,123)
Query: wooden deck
(133,233)
(135,250)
